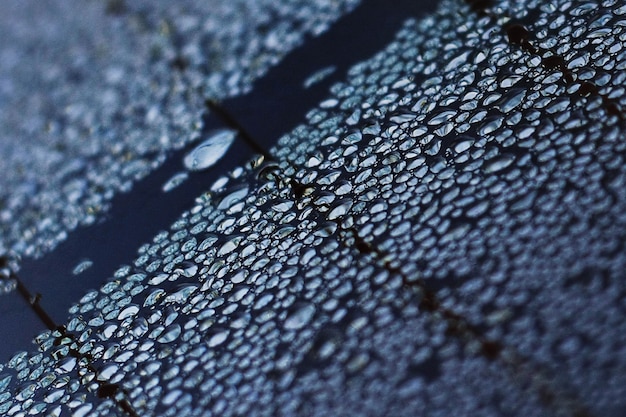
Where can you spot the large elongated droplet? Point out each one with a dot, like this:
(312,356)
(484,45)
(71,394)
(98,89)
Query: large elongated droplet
(210,151)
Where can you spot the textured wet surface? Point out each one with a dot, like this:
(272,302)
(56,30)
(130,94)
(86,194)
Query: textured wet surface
(99,95)
(441,235)
(288,90)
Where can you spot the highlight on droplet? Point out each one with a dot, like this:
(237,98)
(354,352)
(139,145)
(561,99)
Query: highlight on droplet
(211,150)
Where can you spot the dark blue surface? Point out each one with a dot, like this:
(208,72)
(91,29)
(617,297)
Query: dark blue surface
(277,103)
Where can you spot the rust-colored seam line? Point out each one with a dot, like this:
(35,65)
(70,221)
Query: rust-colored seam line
(519,367)
(519,35)
(105,390)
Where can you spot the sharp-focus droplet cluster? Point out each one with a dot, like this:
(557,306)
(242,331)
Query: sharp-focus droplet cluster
(443,236)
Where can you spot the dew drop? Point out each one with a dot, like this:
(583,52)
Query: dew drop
(442,117)
(187,268)
(231,198)
(313,161)
(512,99)
(318,76)
(171,397)
(218,338)
(490,125)
(129,311)
(108,371)
(341,209)
(54,396)
(579,62)
(499,163)
(182,295)
(175,181)
(82,266)
(463,144)
(83,411)
(4,382)
(210,151)
(300,316)
(229,246)
(171,335)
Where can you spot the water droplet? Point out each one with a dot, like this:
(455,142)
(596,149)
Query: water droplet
(341,209)
(82,411)
(153,297)
(218,338)
(182,295)
(490,125)
(171,335)
(66,365)
(457,61)
(175,181)
(108,371)
(282,206)
(329,103)
(463,144)
(230,246)
(300,316)
(129,311)
(54,396)
(442,117)
(499,163)
(4,382)
(511,100)
(171,397)
(82,266)
(326,343)
(579,62)
(187,268)
(352,138)
(210,151)
(237,194)
(318,76)
(314,161)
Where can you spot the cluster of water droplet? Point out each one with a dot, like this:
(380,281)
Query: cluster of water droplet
(9,265)
(98,101)
(457,188)
(493,176)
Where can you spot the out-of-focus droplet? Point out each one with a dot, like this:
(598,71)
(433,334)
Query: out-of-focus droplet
(318,76)
(499,163)
(218,338)
(175,181)
(300,316)
(82,266)
(210,151)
